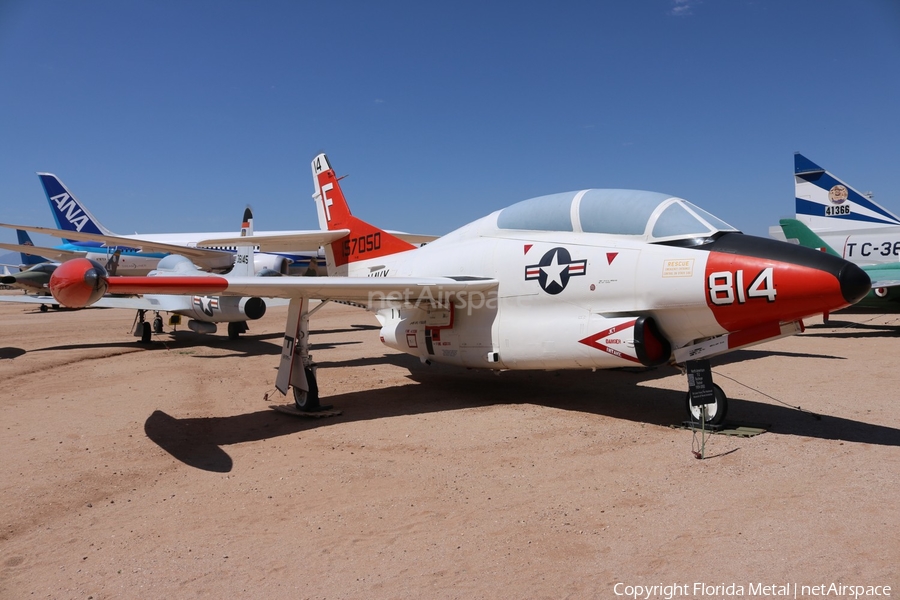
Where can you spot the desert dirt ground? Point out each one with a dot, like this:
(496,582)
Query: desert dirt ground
(160,471)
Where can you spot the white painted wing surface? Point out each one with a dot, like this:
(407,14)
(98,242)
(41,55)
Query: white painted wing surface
(300,240)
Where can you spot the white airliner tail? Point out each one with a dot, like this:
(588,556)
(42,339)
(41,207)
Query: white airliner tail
(68,212)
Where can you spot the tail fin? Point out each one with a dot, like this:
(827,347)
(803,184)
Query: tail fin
(243,260)
(69,213)
(28,259)
(364,242)
(825,203)
(795,230)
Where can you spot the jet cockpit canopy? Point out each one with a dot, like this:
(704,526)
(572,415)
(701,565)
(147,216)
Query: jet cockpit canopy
(647,216)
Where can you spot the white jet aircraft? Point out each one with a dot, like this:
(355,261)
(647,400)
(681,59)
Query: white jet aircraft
(578,280)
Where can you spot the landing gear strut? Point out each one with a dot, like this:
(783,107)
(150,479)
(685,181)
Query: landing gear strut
(142,327)
(296,368)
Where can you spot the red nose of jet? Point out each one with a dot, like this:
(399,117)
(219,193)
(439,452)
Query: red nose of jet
(78,282)
(752,280)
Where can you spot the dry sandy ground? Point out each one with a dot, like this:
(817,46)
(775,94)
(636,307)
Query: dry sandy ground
(160,472)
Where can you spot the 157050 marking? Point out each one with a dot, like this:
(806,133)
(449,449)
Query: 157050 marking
(362,244)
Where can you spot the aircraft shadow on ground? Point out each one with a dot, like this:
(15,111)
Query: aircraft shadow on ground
(11,352)
(849,330)
(249,345)
(199,442)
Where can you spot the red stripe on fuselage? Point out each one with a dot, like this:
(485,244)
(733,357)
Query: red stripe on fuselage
(167,285)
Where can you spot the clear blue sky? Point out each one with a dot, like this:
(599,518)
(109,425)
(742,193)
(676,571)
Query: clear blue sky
(172,116)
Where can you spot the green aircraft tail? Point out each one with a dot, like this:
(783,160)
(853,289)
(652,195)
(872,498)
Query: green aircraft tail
(795,230)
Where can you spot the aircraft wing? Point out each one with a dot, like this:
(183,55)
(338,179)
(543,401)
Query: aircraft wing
(303,240)
(884,275)
(300,240)
(163,302)
(413,238)
(28,299)
(132,302)
(358,289)
(53,254)
(71,289)
(200,256)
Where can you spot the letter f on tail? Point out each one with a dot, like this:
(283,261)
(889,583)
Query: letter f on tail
(365,241)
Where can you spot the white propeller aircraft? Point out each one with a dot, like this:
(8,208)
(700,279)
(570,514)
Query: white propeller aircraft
(578,280)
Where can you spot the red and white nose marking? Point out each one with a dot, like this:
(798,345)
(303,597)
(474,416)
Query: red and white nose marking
(751,280)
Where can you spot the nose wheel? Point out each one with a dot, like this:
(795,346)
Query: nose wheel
(710,414)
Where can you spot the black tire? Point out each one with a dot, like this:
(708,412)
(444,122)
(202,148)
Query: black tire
(235,329)
(308,401)
(157,324)
(145,332)
(44,308)
(715,413)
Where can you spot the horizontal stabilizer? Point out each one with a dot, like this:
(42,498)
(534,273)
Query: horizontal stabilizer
(203,257)
(50,254)
(298,241)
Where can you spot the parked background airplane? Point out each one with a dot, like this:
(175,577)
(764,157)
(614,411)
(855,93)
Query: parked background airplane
(577,280)
(203,312)
(72,216)
(34,271)
(853,224)
(286,252)
(30,255)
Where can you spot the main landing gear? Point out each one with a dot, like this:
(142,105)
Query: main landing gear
(296,369)
(236,328)
(144,329)
(308,400)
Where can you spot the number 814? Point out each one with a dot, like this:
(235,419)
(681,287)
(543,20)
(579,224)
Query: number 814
(725,286)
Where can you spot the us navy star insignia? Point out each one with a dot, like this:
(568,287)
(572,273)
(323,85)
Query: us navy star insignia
(554,270)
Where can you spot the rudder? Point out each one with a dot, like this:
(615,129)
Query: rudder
(365,241)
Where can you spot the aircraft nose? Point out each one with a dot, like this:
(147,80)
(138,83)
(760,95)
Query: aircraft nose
(752,280)
(855,283)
